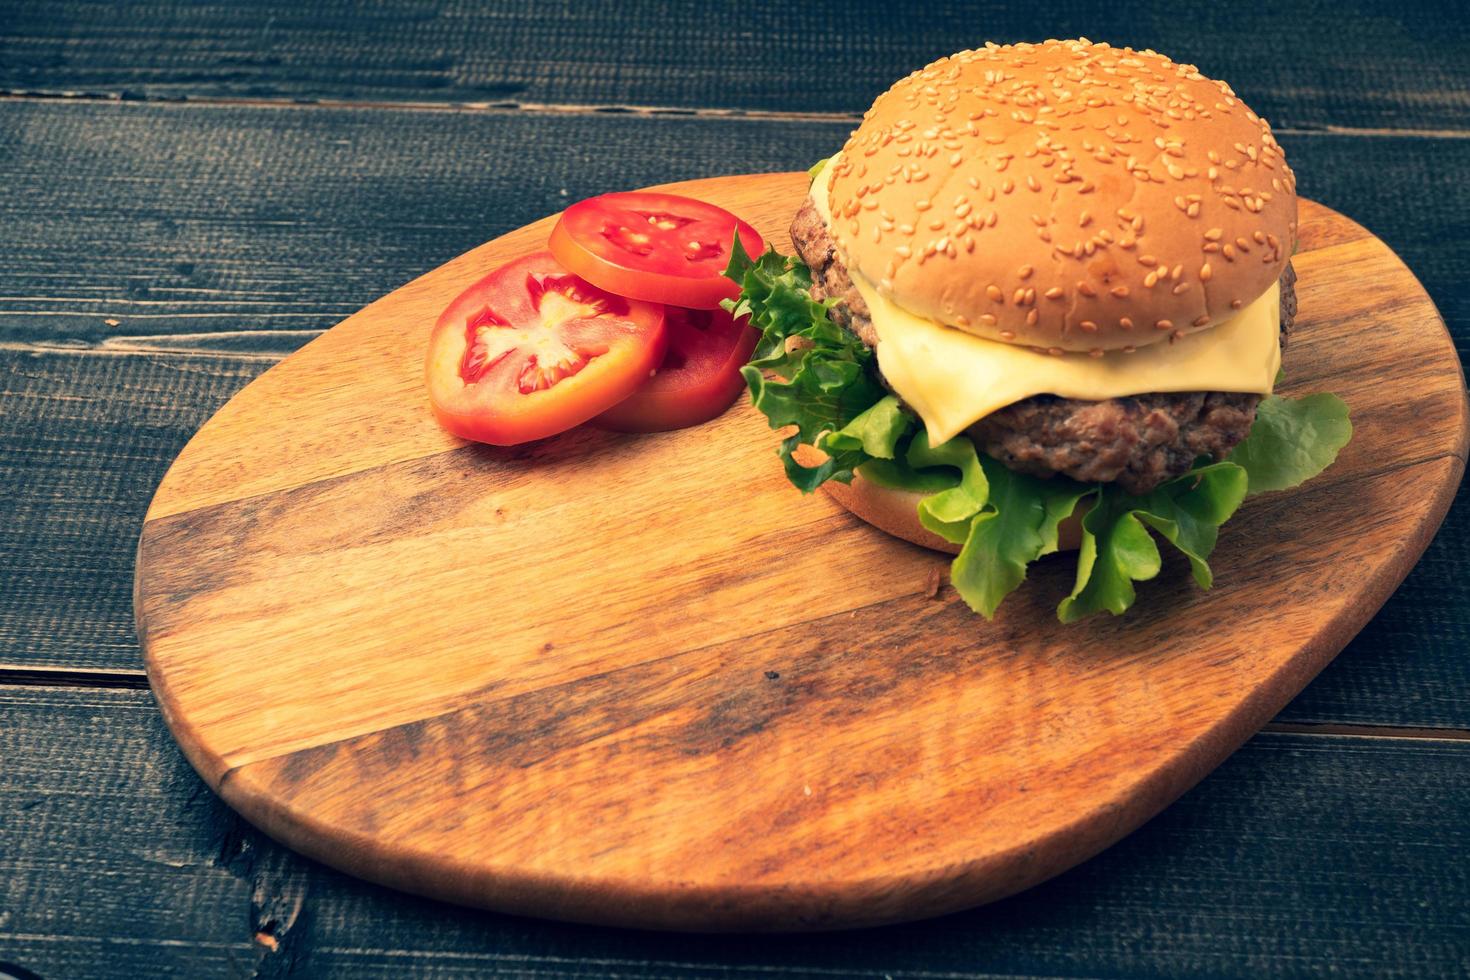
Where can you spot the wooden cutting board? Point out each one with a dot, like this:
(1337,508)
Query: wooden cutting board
(641,680)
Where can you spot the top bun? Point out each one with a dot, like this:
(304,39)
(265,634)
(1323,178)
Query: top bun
(1067,196)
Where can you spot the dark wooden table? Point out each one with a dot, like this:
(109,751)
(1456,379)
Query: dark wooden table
(189,193)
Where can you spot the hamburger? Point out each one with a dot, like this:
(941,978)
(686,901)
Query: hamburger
(1039,300)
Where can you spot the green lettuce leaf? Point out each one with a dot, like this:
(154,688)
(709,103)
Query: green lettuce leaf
(1018,527)
(1117,549)
(949,512)
(824,376)
(1292,440)
(875,432)
(1002,520)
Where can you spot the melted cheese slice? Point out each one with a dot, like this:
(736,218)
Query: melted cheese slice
(953,379)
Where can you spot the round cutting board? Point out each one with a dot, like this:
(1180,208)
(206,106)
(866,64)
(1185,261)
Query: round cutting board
(642,680)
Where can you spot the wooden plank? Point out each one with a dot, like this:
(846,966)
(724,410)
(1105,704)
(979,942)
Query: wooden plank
(1300,856)
(86,438)
(188,227)
(1354,63)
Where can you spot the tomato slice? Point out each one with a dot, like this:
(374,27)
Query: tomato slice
(699,376)
(532,350)
(663,248)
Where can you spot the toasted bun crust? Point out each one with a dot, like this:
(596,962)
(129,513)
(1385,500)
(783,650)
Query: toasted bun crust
(897,511)
(1064,195)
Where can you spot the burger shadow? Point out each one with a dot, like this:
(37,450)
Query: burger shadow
(1150,630)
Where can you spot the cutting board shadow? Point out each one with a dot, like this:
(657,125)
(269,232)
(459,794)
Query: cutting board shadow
(641,680)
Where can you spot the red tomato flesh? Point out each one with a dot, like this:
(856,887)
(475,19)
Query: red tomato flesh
(532,350)
(646,245)
(699,376)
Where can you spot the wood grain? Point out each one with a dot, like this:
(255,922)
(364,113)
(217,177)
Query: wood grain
(1355,63)
(1300,855)
(627,705)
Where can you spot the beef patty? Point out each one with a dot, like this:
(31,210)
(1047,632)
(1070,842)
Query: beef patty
(1136,441)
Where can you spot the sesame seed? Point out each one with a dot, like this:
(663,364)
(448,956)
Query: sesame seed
(1235,304)
(1125,323)
(1164,325)
(1177,271)
(1214,234)
(1121,292)
(987,319)
(996,296)
(1180,288)
(1055,292)
(1088,326)
(1032,316)
(1026,271)
(1201,320)
(1151,280)
(1085,288)
(1007,335)
(1229,252)
(1147,260)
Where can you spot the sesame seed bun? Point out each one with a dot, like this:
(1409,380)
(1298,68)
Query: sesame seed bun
(1067,195)
(897,511)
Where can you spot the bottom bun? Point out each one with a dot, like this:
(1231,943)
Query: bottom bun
(897,511)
